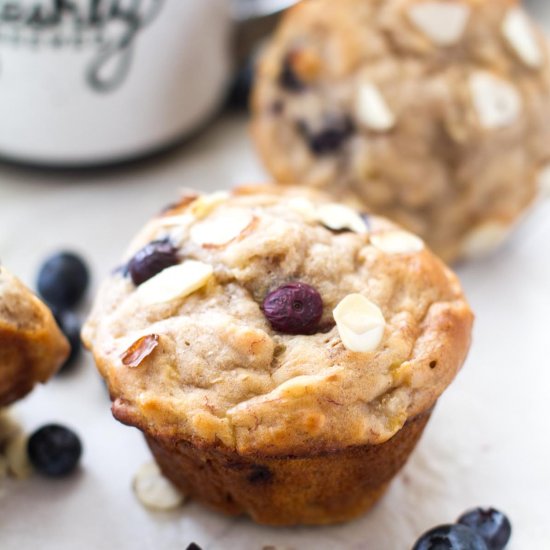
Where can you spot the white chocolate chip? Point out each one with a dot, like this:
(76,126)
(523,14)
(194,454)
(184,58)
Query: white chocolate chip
(360,323)
(220,230)
(443,22)
(397,242)
(372,110)
(519,33)
(339,217)
(206,204)
(484,239)
(175,282)
(304,207)
(154,490)
(497,102)
(17,457)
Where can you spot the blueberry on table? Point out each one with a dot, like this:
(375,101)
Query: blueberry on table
(70,325)
(63,280)
(492,525)
(54,450)
(151,260)
(295,308)
(451,537)
(194,546)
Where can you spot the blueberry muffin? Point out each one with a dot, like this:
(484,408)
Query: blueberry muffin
(281,353)
(434,113)
(32,347)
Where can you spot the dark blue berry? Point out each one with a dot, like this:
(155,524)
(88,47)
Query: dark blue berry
(330,138)
(63,280)
(288,79)
(151,260)
(194,546)
(295,308)
(491,524)
(54,450)
(239,93)
(70,325)
(451,537)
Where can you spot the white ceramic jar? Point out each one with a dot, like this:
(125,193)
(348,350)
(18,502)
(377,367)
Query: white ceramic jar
(87,82)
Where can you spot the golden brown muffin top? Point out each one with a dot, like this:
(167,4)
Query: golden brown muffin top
(433,113)
(191,353)
(32,346)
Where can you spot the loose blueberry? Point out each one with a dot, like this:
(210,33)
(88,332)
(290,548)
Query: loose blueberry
(194,546)
(491,524)
(70,325)
(63,280)
(54,450)
(451,537)
(151,260)
(331,138)
(288,79)
(295,308)
(239,94)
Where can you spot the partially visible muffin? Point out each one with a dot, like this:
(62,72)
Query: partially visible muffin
(32,346)
(281,353)
(434,113)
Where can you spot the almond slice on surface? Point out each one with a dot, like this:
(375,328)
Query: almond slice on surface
(371,108)
(497,102)
(17,457)
(339,217)
(397,242)
(484,239)
(155,491)
(360,323)
(175,282)
(442,22)
(519,33)
(223,229)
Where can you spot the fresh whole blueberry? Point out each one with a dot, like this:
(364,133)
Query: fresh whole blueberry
(239,94)
(491,524)
(295,308)
(63,280)
(70,325)
(151,260)
(451,537)
(194,546)
(54,450)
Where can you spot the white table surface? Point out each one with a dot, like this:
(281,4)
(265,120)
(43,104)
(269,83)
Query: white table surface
(486,445)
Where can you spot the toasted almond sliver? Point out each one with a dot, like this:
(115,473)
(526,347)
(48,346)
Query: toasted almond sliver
(397,242)
(497,102)
(17,457)
(339,217)
(221,230)
(154,490)
(519,33)
(206,204)
(175,282)
(372,109)
(443,22)
(484,239)
(360,323)
(9,428)
(140,350)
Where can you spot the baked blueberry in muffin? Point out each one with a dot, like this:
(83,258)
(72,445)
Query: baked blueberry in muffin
(433,113)
(281,353)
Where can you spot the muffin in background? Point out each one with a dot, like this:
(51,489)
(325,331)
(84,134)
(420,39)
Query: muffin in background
(435,114)
(32,346)
(281,353)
